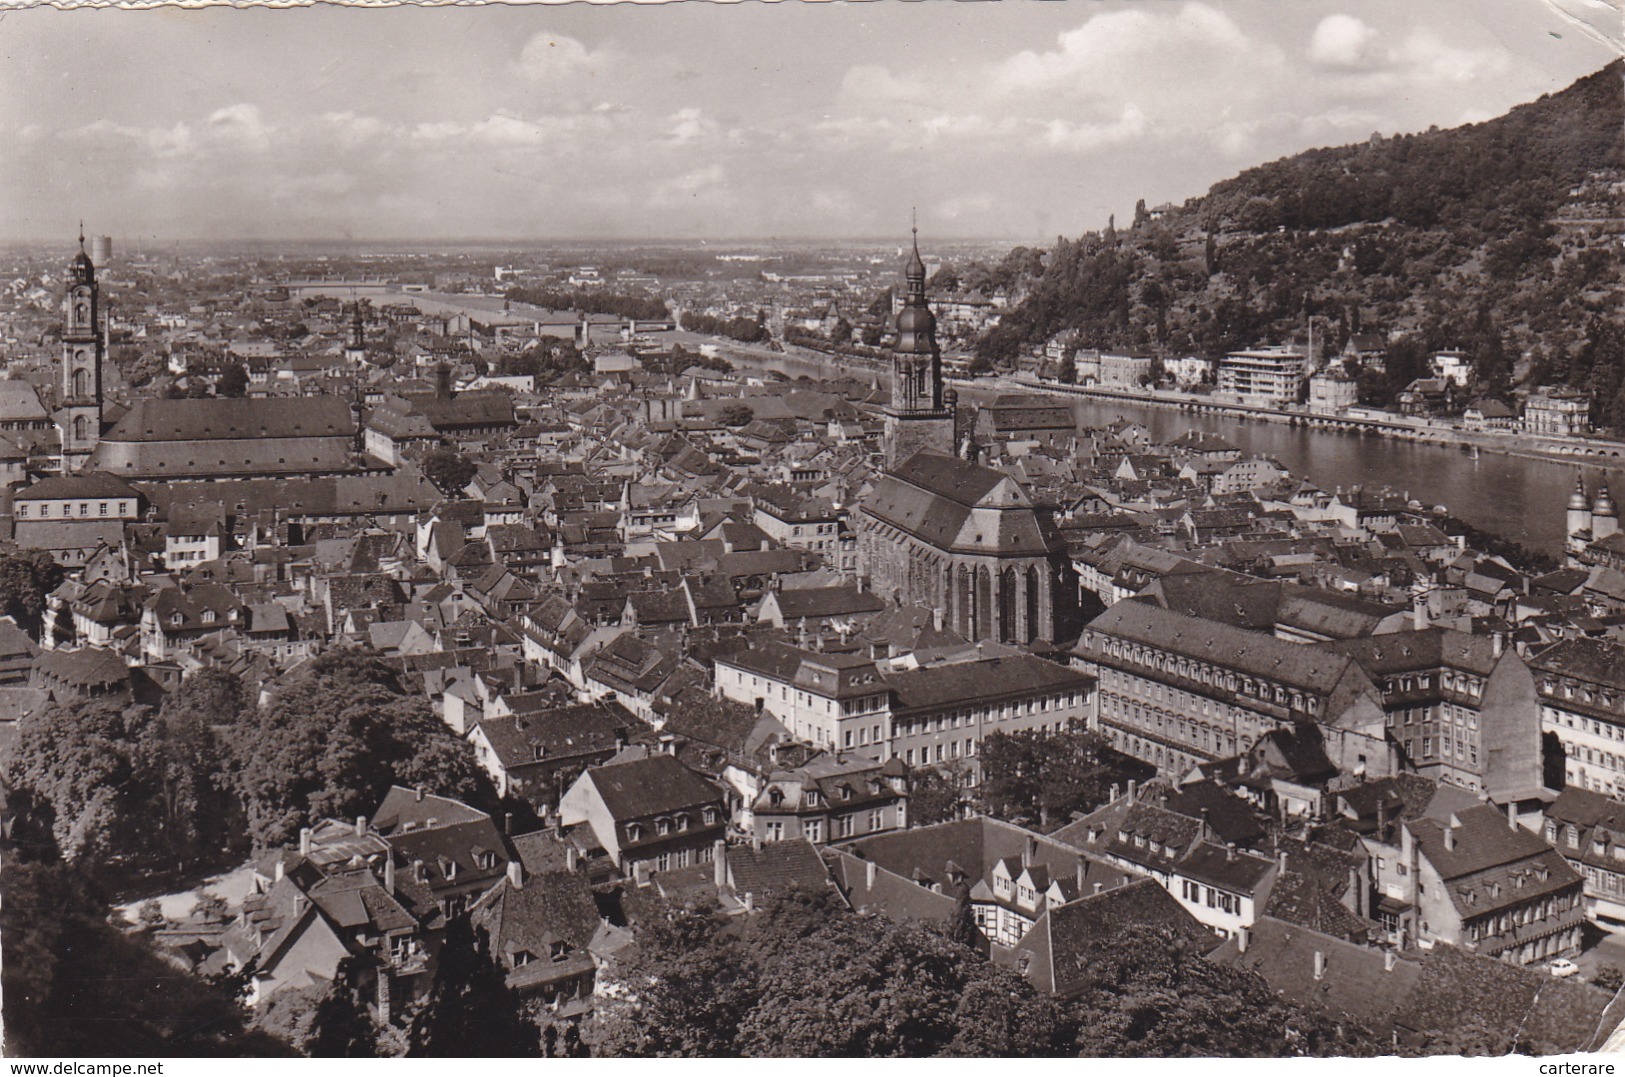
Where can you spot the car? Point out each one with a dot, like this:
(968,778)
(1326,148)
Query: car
(1563,967)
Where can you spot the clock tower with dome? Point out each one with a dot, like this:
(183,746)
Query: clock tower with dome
(920,414)
(79,419)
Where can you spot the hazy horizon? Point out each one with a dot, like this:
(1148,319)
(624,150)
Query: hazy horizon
(678,124)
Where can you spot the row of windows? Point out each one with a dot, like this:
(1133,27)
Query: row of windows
(1521,916)
(664,825)
(1586,693)
(1194,893)
(124,509)
(1610,730)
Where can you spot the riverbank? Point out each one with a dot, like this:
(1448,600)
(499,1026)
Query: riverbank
(1595,451)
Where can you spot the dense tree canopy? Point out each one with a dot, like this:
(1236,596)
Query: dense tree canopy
(76,986)
(470,1011)
(448,469)
(25,580)
(332,743)
(1041,778)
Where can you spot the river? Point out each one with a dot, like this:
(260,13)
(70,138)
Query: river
(1520,499)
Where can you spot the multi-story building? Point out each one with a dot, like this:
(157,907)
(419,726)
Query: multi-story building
(931,715)
(831,797)
(833,701)
(650,814)
(1221,887)
(1581,685)
(1558,412)
(1472,879)
(1125,370)
(1266,377)
(1588,829)
(1461,707)
(1331,390)
(941,713)
(1176,690)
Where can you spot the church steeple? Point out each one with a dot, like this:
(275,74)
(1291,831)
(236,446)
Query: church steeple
(79,421)
(917,417)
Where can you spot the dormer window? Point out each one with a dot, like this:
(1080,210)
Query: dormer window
(634,832)
(558,950)
(177,619)
(710,816)
(682,823)
(663,826)
(488,860)
(208,617)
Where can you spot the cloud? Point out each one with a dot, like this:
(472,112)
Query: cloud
(708,185)
(1087,137)
(1343,41)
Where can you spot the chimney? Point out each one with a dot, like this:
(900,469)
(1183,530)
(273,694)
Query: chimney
(304,841)
(389,872)
(719,857)
(417,871)
(1133,787)
(516,874)
(936,618)
(1098,886)
(1243,937)
(1229,850)
(1320,964)
(1389,960)
(1207,827)
(756,841)
(1450,838)
(507,822)
(1283,859)
(750,901)
(1081,865)
(1029,853)
(419,793)
(869,874)
(1116,790)
(1512,816)
(1382,816)
(1498,642)
(572,859)
(361,826)
(280,869)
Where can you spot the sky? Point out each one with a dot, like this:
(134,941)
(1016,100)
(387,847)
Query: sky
(1018,120)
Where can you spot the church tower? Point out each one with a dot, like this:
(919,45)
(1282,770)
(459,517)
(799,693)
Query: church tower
(920,415)
(355,349)
(80,417)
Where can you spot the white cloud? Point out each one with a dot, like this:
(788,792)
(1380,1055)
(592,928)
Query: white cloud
(1087,137)
(1343,41)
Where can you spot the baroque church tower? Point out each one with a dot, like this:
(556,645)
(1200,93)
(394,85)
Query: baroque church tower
(80,417)
(920,416)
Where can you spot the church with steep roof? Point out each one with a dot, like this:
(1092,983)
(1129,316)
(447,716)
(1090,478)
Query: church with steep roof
(198,440)
(947,534)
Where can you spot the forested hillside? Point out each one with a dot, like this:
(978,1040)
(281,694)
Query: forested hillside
(1500,238)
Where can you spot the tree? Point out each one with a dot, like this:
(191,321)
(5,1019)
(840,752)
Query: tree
(118,784)
(232,382)
(736,415)
(1043,777)
(332,743)
(936,795)
(449,470)
(341,1027)
(75,986)
(25,580)
(1151,993)
(806,977)
(470,1011)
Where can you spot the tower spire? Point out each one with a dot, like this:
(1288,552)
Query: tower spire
(81,235)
